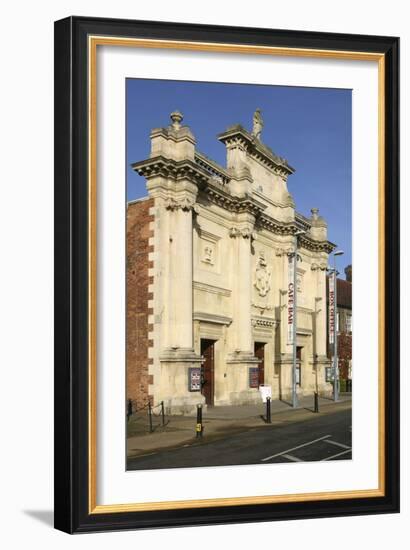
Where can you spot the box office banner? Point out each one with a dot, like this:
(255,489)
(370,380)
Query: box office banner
(291,297)
(332,309)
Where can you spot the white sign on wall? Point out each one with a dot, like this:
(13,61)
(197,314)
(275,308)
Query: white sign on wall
(265,391)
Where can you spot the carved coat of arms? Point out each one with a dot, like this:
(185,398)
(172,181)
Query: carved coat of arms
(262,276)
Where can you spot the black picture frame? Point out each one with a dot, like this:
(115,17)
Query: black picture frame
(72,504)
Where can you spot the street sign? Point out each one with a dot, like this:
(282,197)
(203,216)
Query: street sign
(265,391)
(330,375)
(298,375)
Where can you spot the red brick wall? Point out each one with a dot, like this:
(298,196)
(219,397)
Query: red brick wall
(138,248)
(344,348)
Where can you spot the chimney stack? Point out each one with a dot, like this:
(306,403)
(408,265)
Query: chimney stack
(348,273)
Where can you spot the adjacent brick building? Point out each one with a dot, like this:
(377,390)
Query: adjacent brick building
(344,324)
(139,233)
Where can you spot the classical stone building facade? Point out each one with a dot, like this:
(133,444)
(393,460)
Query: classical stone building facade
(208,255)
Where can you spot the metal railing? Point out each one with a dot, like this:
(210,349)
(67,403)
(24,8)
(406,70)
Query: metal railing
(147,412)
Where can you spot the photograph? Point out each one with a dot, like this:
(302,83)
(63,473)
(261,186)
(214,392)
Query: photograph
(187,361)
(238,274)
(214,188)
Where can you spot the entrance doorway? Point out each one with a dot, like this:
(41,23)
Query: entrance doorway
(207,370)
(260,354)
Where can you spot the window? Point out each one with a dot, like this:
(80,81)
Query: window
(348,323)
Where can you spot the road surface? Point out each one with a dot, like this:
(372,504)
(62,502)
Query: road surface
(323,437)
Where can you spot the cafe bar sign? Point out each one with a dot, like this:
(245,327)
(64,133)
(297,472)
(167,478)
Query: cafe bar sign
(291,297)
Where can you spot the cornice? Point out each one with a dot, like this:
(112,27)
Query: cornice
(217,192)
(212,318)
(274,226)
(198,285)
(217,195)
(316,246)
(213,168)
(302,222)
(171,169)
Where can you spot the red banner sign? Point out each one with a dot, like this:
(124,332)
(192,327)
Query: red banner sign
(332,309)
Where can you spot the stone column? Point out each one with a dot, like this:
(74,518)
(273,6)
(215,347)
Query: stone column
(181,272)
(286,350)
(243,291)
(177,349)
(321,361)
(164,300)
(242,356)
(321,315)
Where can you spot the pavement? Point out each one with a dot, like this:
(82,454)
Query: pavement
(219,423)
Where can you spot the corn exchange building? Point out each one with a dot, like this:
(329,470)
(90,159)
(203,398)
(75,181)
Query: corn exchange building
(208,289)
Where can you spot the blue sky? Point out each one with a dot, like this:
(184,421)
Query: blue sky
(310,127)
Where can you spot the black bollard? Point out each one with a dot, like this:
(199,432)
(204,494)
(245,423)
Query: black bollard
(316,409)
(150,417)
(268,413)
(199,427)
(129,409)
(162,413)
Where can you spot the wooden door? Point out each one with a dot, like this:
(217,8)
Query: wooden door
(207,370)
(260,354)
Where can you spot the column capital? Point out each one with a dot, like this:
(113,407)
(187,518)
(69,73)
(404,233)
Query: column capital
(284,251)
(322,266)
(235,232)
(244,232)
(186,204)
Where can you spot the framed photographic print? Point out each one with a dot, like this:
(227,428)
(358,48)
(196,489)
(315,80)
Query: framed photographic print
(216,361)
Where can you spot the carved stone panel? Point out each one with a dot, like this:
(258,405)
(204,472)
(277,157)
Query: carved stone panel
(208,251)
(262,276)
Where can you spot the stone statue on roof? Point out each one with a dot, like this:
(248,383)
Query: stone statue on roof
(257,124)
